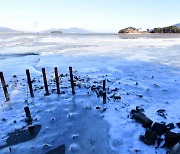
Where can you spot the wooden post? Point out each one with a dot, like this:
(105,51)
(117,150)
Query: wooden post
(104,97)
(104,91)
(45,81)
(104,85)
(28,114)
(71,78)
(4,86)
(57,79)
(29,82)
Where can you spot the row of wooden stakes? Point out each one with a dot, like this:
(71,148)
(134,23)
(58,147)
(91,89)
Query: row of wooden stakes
(45,83)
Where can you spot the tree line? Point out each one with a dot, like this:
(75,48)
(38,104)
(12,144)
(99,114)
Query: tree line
(169,29)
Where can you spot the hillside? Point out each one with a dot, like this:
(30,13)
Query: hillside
(169,29)
(177,25)
(7,30)
(68,31)
(131,30)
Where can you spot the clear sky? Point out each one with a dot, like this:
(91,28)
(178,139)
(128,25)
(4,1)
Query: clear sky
(97,15)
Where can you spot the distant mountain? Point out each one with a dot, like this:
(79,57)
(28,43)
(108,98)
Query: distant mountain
(69,31)
(177,25)
(7,30)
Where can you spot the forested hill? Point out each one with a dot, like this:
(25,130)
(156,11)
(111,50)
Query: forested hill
(169,29)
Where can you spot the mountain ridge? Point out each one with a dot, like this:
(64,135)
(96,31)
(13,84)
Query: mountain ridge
(177,25)
(8,30)
(69,30)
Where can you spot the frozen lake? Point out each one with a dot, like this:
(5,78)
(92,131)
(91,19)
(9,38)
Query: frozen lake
(153,48)
(151,60)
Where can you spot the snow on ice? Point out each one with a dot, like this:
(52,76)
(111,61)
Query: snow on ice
(139,70)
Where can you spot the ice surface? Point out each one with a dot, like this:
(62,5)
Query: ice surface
(151,60)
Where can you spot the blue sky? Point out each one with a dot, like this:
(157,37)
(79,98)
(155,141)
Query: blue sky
(97,15)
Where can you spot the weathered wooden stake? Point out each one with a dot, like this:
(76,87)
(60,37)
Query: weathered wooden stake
(28,114)
(104,97)
(45,81)
(104,85)
(104,91)
(4,86)
(57,79)
(29,82)
(71,78)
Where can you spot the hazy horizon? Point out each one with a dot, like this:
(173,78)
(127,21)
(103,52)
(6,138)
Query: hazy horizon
(98,16)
